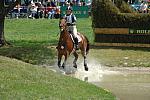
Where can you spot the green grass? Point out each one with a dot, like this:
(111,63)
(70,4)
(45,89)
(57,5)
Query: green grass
(122,56)
(32,39)
(24,31)
(22,81)
(32,42)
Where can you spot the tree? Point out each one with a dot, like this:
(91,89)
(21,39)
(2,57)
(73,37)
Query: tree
(3,12)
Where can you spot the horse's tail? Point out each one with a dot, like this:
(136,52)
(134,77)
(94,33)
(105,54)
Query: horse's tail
(88,45)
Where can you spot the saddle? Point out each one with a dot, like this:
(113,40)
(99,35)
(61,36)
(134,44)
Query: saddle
(78,36)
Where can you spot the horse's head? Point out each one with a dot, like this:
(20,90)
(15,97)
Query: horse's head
(62,24)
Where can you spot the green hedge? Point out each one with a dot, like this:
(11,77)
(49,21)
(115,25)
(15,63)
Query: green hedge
(123,6)
(106,14)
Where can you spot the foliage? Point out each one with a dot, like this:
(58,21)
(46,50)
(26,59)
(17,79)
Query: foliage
(124,7)
(101,11)
(106,14)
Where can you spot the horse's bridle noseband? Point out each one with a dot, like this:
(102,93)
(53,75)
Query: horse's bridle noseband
(62,26)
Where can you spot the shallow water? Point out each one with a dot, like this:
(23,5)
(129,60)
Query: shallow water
(125,83)
(126,86)
(131,84)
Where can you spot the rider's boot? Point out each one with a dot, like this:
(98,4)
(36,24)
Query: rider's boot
(76,43)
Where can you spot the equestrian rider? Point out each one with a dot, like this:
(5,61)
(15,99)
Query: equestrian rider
(71,23)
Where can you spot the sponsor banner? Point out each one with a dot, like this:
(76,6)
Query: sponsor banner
(79,11)
(139,31)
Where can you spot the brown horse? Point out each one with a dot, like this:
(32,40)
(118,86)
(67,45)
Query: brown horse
(66,46)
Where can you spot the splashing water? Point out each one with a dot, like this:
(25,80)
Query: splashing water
(125,83)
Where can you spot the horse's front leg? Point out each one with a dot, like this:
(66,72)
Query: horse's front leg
(59,60)
(75,59)
(65,60)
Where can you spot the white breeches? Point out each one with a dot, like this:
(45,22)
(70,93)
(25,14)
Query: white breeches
(73,30)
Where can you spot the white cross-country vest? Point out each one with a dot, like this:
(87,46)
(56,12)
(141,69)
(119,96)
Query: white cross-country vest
(70,19)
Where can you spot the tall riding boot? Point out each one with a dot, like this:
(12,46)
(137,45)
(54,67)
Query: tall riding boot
(76,43)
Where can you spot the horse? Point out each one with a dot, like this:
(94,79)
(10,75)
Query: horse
(66,46)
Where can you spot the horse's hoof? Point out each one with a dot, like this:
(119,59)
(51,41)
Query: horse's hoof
(59,66)
(75,65)
(62,67)
(86,68)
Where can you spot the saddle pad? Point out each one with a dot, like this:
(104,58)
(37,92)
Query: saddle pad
(79,37)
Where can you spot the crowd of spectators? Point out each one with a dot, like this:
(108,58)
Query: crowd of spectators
(49,9)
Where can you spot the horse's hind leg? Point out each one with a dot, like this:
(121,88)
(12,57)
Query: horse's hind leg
(75,59)
(85,60)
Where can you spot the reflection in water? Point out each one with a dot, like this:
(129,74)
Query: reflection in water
(86,79)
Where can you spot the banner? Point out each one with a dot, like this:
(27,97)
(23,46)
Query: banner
(139,31)
(79,11)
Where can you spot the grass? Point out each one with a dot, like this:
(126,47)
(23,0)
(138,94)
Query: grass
(122,56)
(32,42)
(32,39)
(22,81)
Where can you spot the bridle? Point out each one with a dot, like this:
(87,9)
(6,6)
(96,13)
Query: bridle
(62,25)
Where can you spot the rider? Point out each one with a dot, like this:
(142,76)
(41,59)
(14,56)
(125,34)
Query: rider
(71,23)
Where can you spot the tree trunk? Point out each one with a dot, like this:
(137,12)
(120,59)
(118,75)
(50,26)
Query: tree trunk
(2,39)
(2,19)
(3,12)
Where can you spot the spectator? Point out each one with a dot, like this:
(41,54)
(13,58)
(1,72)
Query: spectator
(88,3)
(51,13)
(40,10)
(143,7)
(33,10)
(78,2)
(53,4)
(16,11)
(29,9)
(57,14)
(61,2)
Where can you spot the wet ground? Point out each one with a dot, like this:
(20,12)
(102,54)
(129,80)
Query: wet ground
(125,82)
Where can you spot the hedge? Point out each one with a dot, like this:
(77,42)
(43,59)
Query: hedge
(106,14)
